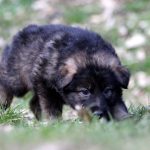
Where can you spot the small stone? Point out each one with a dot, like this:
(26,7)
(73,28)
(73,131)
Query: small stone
(140,55)
(135,41)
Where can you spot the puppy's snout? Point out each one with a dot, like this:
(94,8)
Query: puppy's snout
(94,108)
(98,114)
(96,111)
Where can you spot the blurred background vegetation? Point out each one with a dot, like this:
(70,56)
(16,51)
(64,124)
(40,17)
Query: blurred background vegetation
(124,23)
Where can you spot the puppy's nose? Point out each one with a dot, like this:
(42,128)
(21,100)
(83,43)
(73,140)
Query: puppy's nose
(94,108)
(96,111)
(98,114)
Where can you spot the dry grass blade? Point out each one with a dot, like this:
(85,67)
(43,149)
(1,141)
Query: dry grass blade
(83,113)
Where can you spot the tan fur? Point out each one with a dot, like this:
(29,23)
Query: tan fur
(80,59)
(24,77)
(73,63)
(101,57)
(71,67)
(5,97)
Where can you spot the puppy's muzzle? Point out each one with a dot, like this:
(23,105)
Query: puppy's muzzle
(96,111)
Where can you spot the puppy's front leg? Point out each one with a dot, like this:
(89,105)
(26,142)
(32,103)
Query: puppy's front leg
(35,107)
(50,102)
(5,97)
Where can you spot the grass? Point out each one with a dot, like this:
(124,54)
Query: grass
(79,14)
(133,132)
(137,5)
(10,116)
(142,66)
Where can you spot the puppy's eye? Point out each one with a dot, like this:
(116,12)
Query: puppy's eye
(108,92)
(84,92)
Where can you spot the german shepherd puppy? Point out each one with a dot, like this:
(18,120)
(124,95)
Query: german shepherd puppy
(63,65)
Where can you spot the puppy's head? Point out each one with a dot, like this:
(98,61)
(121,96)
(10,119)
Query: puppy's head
(94,86)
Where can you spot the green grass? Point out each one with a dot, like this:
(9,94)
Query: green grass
(133,132)
(10,116)
(142,66)
(79,14)
(137,5)
(14,15)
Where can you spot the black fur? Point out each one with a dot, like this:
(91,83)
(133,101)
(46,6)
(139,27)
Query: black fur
(53,61)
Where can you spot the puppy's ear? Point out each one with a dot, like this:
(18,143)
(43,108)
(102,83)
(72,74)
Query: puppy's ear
(66,73)
(119,111)
(58,40)
(123,76)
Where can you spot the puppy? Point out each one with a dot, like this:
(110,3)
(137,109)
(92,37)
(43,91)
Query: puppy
(63,65)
